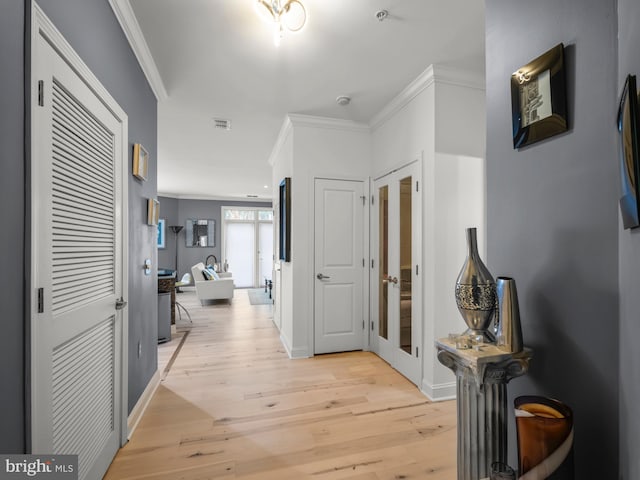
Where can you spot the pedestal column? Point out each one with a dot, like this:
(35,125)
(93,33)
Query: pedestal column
(481,376)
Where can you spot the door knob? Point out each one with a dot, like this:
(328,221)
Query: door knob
(392,279)
(321,276)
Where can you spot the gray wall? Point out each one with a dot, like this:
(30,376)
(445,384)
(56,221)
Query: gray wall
(629,264)
(12,236)
(553,219)
(177,213)
(94,32)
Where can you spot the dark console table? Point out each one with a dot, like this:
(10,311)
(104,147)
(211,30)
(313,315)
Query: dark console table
(167,283)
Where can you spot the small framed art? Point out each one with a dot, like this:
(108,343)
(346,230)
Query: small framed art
(539,98)
(153,211)
(140,162)
(161,233)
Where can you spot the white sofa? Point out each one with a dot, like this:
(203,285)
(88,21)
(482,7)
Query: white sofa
(221,289)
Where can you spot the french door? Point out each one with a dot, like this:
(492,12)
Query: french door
(395,281)
(248,244)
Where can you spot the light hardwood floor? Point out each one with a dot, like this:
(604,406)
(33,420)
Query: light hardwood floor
(234,406)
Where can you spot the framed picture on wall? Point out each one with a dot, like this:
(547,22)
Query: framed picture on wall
(539,98)
(153,211)
(628,125)
(285,220)
(140,162)
(161,233)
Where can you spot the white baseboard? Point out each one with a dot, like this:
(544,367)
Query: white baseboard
(439,392)
(299,352)
(141,405)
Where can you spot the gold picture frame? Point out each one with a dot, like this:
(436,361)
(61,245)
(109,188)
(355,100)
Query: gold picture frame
(153,211)
(140,162)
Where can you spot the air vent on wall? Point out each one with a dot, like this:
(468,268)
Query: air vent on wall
(252,196)
(222,123)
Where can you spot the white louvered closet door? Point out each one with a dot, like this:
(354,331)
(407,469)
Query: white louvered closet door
(78,264)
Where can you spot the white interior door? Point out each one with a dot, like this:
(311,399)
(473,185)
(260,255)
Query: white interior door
(396,286)
(78,256)
(339,266)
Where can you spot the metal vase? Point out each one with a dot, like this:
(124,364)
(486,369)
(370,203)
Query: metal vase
(509,334)
(476,291)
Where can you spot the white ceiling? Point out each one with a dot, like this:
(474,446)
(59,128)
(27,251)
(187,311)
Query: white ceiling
(217,59)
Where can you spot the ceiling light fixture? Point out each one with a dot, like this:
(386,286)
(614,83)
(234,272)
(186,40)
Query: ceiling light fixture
(343,100)
(285,14)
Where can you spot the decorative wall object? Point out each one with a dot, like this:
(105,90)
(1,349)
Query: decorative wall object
(285,220)
(153,211)
(161,233)
(201,233)
(476,291)
(539,99)
(140,162)
(509,334)
(545,438)
(628,123)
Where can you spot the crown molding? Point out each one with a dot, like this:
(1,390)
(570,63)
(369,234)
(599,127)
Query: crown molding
(432,75)
(282,136)
(459,77)
(299,120)
(216,198)
(424,80)
(131,28)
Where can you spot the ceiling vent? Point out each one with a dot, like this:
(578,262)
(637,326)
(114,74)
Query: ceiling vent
(222,124)
(252,196)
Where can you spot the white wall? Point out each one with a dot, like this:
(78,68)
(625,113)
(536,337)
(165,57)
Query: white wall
(460,113)
(312,148)
(282,166)
(458,202)
(439,118)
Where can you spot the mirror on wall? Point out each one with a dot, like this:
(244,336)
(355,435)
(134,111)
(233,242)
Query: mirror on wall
(201,233)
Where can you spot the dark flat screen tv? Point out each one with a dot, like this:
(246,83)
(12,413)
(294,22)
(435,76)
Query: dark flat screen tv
(629,166)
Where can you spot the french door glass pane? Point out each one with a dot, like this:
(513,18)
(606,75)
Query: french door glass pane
(383,258)
(405,264)
(265,252)
(240,246)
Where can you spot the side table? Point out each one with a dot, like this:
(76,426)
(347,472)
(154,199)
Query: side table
(167,283)
(481,376)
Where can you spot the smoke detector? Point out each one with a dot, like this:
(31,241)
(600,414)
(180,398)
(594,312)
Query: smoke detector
(343,100)
(221,124)
(381,15)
